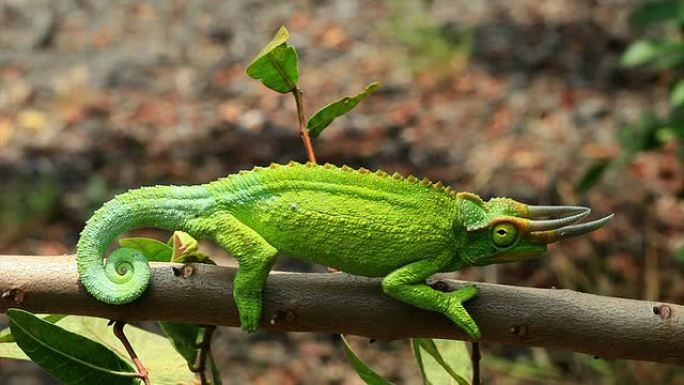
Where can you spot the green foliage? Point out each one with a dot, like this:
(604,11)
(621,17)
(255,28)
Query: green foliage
(321,119)
(276,64)
(654,12)
(180,248)
(185,249)
(51,346)
(660,55)
(677,95)
(592,176)
(215,372)
(68,356)
(165,365)
(368,375)
(679,255)
(664,54)
(184,338)
(6,334)
(441,361)
(640,52)
(276,67)
(152,249)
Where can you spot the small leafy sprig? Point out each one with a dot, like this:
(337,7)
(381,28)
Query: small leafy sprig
(49,341)
(276,67)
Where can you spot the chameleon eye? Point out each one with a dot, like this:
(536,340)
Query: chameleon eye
(504,234)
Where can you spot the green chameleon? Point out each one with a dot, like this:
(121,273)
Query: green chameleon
(361,222)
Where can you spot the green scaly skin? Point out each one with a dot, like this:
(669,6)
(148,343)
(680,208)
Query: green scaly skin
(356,221)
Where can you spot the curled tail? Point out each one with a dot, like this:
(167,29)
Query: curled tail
(126,273)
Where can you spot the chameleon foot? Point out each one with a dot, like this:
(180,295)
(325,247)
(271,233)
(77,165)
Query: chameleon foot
(458,314)
(249,320)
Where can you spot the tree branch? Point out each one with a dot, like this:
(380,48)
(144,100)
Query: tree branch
(605,327)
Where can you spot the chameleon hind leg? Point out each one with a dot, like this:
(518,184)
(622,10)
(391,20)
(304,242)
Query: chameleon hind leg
(407,284)
(255,258)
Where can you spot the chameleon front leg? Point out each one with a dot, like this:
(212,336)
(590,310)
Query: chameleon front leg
(407,284)
(256,258)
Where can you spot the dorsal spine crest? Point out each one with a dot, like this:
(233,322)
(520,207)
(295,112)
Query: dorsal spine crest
(439,186)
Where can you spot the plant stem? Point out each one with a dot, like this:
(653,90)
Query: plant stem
(475,359)
(303,132)
(205,348)
(119,333)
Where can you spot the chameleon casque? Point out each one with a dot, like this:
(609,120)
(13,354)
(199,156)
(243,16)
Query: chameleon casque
(360,222)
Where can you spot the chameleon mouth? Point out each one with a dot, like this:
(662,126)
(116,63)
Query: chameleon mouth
(550,230)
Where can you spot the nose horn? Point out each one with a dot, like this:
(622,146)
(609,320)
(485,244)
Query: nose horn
(583,228)
(554,235)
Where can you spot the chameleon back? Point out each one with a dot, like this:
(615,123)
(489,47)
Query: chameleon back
(367,223)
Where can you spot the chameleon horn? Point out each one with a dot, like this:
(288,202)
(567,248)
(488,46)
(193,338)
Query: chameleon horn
(550,236)
(583,228)
(547,211)
(551,224)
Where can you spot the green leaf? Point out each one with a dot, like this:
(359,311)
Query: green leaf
(70,357)
(419,360)
(679,255)
(670,55)
(677,94)
(215,372)
(185,249)
(165,365)
(152,249)
(641,136)
(6,334)
(443,361)
(652,12)
(276,64)
(640,52)
(368,375)
(321,119)
(184,338)
(592,176)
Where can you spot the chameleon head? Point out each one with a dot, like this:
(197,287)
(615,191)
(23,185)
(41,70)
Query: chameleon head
(504,230)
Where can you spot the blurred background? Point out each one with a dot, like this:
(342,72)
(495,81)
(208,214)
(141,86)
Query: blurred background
(533,100)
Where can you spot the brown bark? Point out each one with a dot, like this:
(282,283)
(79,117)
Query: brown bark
(605,327)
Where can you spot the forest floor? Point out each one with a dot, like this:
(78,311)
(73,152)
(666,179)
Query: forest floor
(514,98)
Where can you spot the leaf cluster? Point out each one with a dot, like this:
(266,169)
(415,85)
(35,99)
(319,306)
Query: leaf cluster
(276,67)
(439,361)
(80,350)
